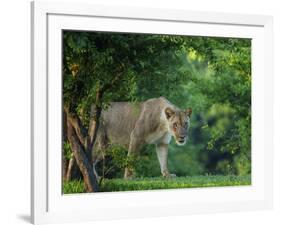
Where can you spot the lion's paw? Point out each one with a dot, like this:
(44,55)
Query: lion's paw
(129,177)
(173,175)
(169,175)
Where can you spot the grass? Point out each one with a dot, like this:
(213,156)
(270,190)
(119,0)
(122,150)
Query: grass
(109,185)
(73,187)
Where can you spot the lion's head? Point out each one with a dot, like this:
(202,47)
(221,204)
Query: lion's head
(178,124)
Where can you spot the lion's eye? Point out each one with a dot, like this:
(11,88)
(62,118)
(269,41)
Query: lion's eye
(175,125)
(185,124)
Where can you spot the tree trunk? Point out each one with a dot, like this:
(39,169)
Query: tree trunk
(85,167)
(72,171)
(82,143)
(69,169)
(64,168)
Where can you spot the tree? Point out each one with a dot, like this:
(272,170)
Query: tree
(222,90)
(99,68)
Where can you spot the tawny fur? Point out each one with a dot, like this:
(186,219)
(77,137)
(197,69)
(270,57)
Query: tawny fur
(133,125)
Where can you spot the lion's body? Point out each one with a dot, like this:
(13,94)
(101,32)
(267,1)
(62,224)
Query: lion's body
(133,125)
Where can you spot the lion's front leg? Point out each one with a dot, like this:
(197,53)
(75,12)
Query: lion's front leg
(162,154)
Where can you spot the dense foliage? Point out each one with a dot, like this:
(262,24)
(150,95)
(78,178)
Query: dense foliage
(211,75)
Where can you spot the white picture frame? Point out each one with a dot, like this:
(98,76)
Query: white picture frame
(48,205)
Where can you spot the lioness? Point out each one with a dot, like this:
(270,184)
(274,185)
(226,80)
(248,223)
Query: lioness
(131,125)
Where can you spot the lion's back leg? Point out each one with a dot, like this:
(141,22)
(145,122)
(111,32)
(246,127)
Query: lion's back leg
(99,148)
(136,142)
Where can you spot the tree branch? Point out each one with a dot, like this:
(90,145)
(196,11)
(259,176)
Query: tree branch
(75,121)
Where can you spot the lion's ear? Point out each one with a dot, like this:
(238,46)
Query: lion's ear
(188,112)
(169,112)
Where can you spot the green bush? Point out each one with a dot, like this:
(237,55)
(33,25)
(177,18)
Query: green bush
(67,150)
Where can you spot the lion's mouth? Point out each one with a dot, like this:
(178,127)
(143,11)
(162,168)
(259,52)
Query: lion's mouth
(181,141)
